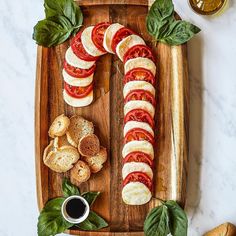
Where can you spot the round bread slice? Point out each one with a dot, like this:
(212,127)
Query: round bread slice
(48,149)
(60,141)
(138,124)
(89,145)
(59,126)
(141,62)
(62,159)
(80,173)
(96,162)
(136,193)
(138,146)
(125,44)
(130,167)
(78,128)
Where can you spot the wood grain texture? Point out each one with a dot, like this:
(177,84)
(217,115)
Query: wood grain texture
(171,147)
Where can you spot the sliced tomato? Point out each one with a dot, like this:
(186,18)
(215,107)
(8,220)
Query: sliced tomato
(140,94)
(138,51)
(139,135)
(139,74)
(119,35)
(78,92)
(138,176)
(78,49)
(77,72)
(98,35)
(138,157)
(139,115)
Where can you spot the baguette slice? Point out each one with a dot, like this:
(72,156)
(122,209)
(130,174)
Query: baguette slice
(78,128)
(89,145)
(59,126)
(48,149)
(61,141)
(226,229)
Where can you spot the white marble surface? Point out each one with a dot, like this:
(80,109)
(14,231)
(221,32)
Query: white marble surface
(212,173)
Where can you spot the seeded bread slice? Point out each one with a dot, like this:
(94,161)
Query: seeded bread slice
(60,141)
(89,145)
(78,128)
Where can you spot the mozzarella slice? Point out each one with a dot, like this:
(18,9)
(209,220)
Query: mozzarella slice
(125,44)
(136,193)
(78,102)
(133,85)
(81,82)
(75,61)
(144,105)
(136,166)
(136,124)
(89,46)
(138,146)
(142,62)
(109,35)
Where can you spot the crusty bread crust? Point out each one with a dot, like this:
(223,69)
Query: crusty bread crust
(89,145)
(60,141)
(48,149)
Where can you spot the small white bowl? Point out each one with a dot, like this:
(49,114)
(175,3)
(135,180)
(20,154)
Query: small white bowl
(70,219)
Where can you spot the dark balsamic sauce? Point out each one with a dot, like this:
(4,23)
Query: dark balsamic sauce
(75,208)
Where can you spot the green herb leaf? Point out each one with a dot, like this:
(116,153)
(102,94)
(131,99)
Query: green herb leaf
(157,221)
(69,189)
(90,197)
(178,220)
(93,222)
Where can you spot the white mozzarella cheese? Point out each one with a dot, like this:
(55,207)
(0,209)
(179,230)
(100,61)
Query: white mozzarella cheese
(89,46)
(144,105)
(136,124)
(133,85)
(136,193)
(138,146)
(126,43)
(81,82)
(142,62)
(78,102)
(109,34)
(75,61)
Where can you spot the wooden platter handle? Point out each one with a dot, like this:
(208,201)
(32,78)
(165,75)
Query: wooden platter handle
(112,2)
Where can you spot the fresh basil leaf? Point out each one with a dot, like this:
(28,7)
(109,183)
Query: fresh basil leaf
(178,220)
(93,222)
(156,223)
(54,204)
(90,197)
(69,189)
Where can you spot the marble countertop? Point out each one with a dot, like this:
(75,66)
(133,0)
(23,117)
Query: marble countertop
(212,172)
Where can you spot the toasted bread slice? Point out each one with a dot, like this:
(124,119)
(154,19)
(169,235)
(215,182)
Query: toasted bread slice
(89,145)
(60,142)
(48,149)
(62,159)
(78,128)
(59,126)
(96,162)
(80,173)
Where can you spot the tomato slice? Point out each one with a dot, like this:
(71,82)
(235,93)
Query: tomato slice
(78,49)
(78,92)
(119,35)
(138,176)
(77,72)
(138,51)
(140,94)
(139,115)
(138,157)
(139,74)
(98,35)
(139,135)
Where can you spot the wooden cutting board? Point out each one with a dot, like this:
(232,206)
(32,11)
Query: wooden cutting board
(172,117)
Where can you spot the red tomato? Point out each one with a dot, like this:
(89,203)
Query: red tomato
(140,94)
(139,135)
(138,176)
(77,72)
(119,35)
(138,157)
(139,115)
(98,35)
(139,74)
(78,92)
(78,49)
(138,51)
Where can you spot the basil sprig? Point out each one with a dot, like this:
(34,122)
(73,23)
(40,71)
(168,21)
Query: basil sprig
(166,218)
(63,18)
(162,24)
(51,221)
